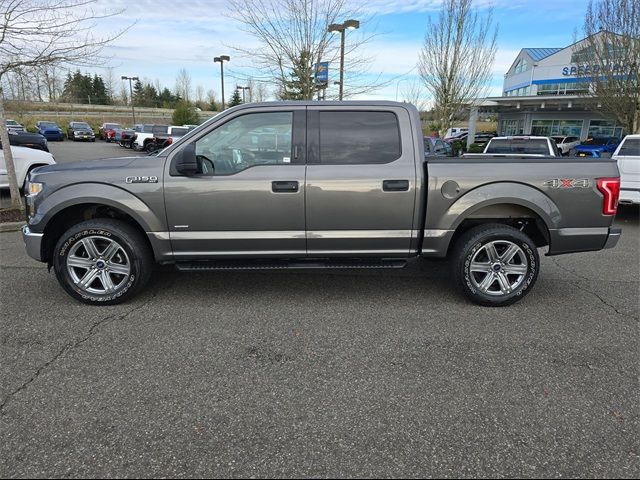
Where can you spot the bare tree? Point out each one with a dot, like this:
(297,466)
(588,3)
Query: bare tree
(292,36)
(608,59)
(35,33)
(413,93)
(183,84)
(200,94)
(456,59)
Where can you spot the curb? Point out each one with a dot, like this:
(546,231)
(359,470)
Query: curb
(11,226)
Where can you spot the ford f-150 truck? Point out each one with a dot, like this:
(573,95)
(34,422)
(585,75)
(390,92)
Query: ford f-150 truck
(315,185)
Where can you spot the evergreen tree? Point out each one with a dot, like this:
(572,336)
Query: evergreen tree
(137,92)
(184,114)
(236,99)
(100,91)
(302,84)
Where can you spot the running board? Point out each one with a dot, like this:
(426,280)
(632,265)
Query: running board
(289,264)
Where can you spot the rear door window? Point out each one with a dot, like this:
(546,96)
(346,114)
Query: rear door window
(356,137)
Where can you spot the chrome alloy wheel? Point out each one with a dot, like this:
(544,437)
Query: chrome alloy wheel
(498,268)
(98,265)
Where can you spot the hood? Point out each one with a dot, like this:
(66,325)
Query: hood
(89,165)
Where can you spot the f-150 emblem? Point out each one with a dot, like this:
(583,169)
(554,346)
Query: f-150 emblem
(567,183)
(142,179)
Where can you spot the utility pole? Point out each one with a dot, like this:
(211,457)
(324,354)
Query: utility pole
(243,89)
(222,59)
(133,111)
(342,27)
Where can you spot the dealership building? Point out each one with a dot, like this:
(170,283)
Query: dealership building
(544,95)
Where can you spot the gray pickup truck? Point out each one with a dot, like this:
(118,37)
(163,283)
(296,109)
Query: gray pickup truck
(314,185)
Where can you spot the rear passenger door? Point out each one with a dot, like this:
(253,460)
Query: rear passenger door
(360,181)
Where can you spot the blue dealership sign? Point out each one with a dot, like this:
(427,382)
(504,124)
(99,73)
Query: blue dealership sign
(322,72)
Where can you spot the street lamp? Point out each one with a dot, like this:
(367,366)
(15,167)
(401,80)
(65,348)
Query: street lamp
(238,87)
(133,111)
(222,59)
(342,27)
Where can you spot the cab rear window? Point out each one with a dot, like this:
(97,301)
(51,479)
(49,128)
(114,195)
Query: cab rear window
(527,146)
(630,147)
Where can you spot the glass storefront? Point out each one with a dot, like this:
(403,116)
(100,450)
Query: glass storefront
(511,127)
(546,128)
(604,128)
(568,88)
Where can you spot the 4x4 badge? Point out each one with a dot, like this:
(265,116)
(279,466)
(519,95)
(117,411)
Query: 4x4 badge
(567,183)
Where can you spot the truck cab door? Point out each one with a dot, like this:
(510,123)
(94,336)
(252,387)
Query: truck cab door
(246,199)
(361,181)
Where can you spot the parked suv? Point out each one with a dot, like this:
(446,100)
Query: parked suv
(80,131)
(566,144)
(107,131)
(50,130)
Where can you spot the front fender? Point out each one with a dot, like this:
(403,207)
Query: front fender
(151,220)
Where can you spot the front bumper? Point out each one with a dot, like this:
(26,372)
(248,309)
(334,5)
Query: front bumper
(33,243)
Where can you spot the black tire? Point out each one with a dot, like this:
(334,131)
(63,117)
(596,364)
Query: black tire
(131,255)
(505,281)
(149,147)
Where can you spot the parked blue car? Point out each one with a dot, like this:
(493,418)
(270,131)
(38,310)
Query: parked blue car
(595,147)
(50,131)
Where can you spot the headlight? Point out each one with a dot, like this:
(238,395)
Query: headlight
(34,188)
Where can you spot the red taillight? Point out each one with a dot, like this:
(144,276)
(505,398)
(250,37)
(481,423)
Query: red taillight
(169,141)
(610,188)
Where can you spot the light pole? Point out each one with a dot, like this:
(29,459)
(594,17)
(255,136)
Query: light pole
(222,59)
(133,111)
(342,27)
(238,87)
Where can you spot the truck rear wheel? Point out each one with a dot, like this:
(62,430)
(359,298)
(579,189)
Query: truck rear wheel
(102,261)
(495,265)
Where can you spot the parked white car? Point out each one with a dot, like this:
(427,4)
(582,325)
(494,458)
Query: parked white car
(25,160)
(12,125)
(565,144)
(628,157)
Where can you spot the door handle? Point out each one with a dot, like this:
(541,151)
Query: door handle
(395,185)
(284,186)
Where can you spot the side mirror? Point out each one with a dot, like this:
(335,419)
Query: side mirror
(187,163)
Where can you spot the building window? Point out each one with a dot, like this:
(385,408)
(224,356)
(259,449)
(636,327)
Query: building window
(604,128)
(518,92)
(546,128)
(521,66)
(567,88)
(511,127)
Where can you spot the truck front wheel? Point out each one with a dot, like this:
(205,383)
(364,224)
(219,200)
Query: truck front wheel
(102,261)
(495,265)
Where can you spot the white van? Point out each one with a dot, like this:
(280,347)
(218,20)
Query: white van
(628,157)
(454,131)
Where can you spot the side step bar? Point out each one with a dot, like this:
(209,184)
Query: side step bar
(289,264)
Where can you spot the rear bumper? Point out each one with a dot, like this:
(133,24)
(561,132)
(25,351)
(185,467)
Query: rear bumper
(629,195)
(572,240)
(614,236)
(33,243)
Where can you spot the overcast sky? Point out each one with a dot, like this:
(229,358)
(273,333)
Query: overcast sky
(168,36)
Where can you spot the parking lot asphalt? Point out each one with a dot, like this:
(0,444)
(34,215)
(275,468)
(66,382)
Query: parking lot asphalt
(354,373)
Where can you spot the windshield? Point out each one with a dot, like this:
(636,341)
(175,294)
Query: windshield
(112,126)
(179,132)
(48,125)
(80,125)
